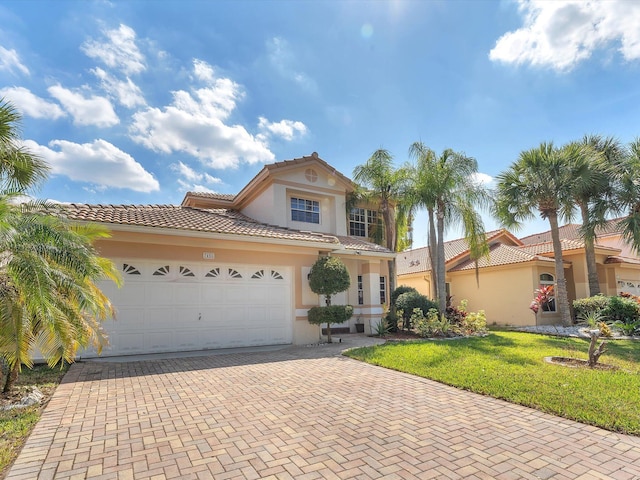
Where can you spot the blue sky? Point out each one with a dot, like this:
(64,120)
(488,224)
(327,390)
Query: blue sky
(139,102)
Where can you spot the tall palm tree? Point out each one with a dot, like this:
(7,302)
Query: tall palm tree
(447,187)
(49,299)
(385,186)
(592,161)
(540,180)
(628,194)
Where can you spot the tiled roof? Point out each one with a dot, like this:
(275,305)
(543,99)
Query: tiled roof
(187,218)
(413,261)
(417,260)
(205,220)
(355,243)
(620,259)
(571,231)
(500,254)
(215,196)
(547,247)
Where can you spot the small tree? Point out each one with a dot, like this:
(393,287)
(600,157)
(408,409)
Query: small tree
(329,275)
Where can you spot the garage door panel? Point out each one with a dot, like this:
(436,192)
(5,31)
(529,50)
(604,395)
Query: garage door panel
(158,294)
(158,341)
(187,294)
(157,317)
(219,306)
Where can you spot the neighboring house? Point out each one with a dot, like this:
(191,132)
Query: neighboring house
(222,271)
(506,279)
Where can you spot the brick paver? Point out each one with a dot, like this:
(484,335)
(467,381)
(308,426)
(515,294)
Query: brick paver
(300,413)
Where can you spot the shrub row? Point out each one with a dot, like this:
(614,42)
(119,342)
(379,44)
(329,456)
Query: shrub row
(621,312)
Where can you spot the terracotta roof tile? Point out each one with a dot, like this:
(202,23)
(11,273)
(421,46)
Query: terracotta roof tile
(216,196)
(356,243)
(417,260)
(206,220)
(500,254)
(547,247)
(187,218)
(571,231)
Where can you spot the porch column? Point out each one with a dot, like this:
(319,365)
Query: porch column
(371,310)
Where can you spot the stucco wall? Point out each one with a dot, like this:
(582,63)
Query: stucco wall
(176,248)
(503,293)
(418,281)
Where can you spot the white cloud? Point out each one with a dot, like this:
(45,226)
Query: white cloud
(561,34)
(10,60)
(117,50)
(283,60)
(286,129)
(99,162)
(91,110)
(203,71)
(194,123)
(189,177)
(483,179)
(31,105)
(124,91)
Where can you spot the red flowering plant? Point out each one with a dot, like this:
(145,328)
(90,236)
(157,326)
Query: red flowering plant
(544,298)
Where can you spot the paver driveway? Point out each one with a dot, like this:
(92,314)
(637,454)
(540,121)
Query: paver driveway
(300,413)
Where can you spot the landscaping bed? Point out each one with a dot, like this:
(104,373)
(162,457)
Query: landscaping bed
(16,424)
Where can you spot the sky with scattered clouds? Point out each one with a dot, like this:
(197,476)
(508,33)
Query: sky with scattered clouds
(141,101)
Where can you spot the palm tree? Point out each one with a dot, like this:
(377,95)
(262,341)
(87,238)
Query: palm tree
(49,299)
(540,180)
(628,194)
(385,186)
(446,185)
(592,161)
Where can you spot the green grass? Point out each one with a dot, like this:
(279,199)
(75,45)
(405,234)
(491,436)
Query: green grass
(16,424)
(511,366)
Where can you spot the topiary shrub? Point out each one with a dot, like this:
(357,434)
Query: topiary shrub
(399,291)
(411,300)
(623,310)
(590,307)
(330,314)
(328,276)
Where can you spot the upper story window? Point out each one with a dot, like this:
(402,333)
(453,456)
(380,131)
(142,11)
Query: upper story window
(362,222)
(305,210)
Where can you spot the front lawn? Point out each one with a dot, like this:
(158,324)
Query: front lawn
(16,424)
(511,366)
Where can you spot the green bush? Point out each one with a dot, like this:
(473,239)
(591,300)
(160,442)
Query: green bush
(474,322)
(399,291)
(585,307)
(623,310)
(409,301)
(391,321)
(330,314)
(433,324)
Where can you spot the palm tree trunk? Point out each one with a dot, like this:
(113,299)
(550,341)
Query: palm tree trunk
(390,239)
(12,376)
(433,242)
(562,299)
(442,286)
(590,255)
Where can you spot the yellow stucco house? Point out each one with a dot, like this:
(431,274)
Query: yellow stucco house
(516,267)
(222,271)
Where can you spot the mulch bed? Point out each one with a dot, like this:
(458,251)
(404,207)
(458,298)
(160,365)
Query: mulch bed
(578,363)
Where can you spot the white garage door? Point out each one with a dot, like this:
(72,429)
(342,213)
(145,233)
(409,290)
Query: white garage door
(168,307)
(629,286)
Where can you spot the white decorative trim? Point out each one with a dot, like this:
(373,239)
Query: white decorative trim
(301,312)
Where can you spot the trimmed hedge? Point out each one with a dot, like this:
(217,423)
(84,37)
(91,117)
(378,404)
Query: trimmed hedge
(330,314)
(585,306)
(409,301)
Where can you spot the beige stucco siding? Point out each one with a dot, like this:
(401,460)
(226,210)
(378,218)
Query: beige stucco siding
(419,281)
(503,293)
(132,245)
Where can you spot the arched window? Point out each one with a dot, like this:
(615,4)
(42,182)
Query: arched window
(547,295)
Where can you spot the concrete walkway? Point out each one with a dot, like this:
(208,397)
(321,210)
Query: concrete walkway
(300,413)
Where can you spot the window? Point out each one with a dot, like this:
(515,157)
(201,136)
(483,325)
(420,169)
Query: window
(546,295)
(383,290)
(362,222)
(305,210)
(360,291)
